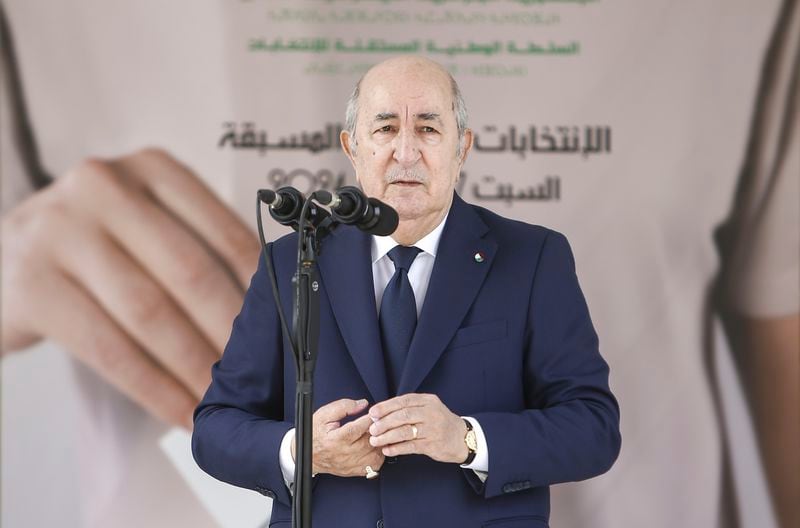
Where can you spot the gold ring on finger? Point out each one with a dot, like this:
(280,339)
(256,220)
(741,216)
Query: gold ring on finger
(414,432)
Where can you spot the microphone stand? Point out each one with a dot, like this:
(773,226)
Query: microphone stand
(305,342)
(305,325)
(312,226)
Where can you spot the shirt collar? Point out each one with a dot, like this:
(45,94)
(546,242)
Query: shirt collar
(381,245)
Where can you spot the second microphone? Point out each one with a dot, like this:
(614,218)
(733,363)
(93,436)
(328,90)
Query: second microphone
(349,205)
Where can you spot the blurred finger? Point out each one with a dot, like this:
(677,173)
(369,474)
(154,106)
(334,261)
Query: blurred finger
(139,305)
(201,285)
(186,195)
(75,321)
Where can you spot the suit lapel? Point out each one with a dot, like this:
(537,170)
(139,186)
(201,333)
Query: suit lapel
(456,278)
(345,265)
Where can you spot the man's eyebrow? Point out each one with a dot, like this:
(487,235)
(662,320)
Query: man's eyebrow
(429,116)
(422,116)
(385,116)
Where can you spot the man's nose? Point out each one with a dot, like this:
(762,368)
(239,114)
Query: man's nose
(406,149)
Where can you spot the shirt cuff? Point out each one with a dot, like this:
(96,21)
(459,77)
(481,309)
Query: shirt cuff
(480,464)
(286,460)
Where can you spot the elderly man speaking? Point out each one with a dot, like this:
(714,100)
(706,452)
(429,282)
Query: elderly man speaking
(458,374)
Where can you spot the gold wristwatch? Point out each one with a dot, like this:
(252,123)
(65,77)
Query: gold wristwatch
(471,439)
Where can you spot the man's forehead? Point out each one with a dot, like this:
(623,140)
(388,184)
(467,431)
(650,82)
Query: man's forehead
(404,69)
(409,101)
(406,72)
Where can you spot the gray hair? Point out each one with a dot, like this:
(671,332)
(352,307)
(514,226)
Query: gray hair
(459,109)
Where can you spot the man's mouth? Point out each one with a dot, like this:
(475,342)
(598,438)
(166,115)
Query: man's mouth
(406,183)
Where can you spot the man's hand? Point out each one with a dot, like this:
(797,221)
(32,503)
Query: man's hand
(440,433)
(134,266)
(342,450)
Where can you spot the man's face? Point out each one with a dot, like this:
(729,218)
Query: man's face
(406,148)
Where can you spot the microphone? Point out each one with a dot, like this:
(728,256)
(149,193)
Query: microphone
(286,204)
(349,205)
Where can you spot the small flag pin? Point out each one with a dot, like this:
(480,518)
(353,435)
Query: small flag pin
(479,257)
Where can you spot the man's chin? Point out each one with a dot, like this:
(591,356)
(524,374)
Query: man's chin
(405,189)
(408,200)
(406,209)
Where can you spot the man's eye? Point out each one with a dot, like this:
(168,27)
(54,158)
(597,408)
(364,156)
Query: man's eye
(427,130)
(387,128)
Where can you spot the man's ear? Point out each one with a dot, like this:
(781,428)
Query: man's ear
(346,141)
(466,145)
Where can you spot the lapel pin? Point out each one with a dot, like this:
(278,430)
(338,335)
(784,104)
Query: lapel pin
(479,257)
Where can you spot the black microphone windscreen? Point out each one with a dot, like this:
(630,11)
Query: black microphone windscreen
(267,196)
(324,197)
(385,220)
(290,205)
(352,205)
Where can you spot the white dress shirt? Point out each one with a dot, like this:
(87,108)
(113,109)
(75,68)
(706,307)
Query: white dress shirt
(419,275)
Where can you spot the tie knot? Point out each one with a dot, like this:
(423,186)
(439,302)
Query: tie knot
(403,256)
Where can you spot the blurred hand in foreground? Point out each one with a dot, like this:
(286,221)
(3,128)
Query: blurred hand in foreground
(134,266)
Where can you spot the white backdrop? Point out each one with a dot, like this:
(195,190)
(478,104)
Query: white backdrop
(620,123)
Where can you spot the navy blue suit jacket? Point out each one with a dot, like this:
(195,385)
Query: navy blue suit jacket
(508,341)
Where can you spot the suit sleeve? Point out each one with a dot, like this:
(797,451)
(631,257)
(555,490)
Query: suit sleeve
(569,430)
(239,424)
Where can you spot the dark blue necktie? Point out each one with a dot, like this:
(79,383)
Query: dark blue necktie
(398,316)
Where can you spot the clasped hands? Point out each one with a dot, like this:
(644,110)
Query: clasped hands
(387,429)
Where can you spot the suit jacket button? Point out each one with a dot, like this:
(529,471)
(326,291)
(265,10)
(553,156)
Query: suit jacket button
(379,524)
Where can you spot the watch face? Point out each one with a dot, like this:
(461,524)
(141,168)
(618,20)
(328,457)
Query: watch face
(471,440)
